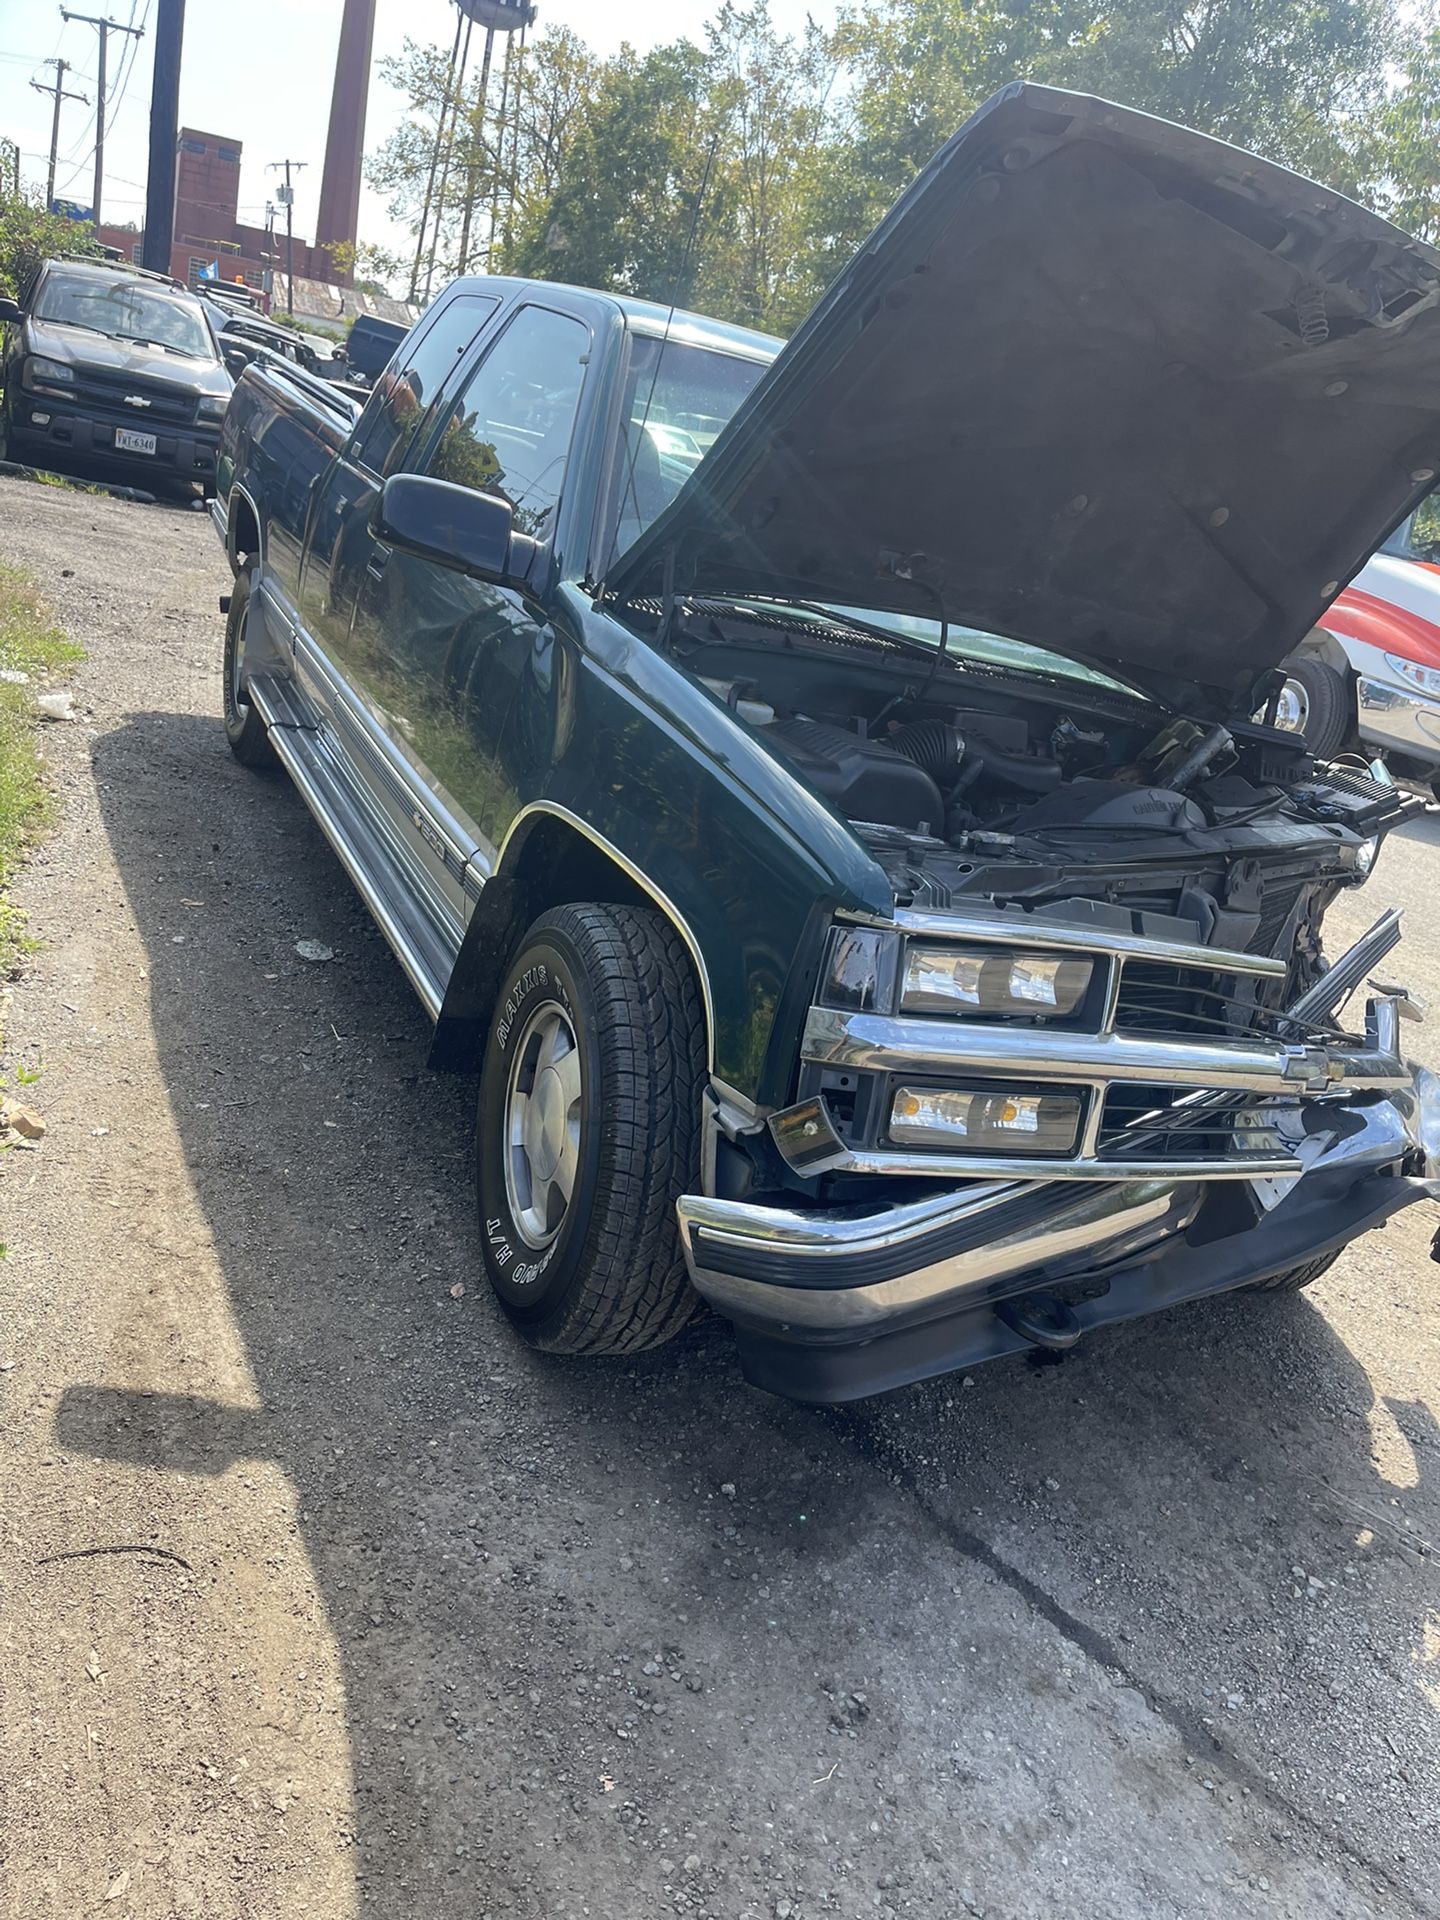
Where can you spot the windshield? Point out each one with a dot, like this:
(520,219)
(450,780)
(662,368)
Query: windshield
(677,399)
(973,643)
(125,311)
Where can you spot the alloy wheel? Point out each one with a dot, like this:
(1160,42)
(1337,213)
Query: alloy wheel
(543,1102)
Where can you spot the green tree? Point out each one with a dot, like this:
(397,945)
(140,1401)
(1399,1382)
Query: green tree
(1300,81)
(1408,142)
(30,233)
(767,97)
(629,186)
(553,81)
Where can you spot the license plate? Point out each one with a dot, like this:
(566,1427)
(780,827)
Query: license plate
(128,441)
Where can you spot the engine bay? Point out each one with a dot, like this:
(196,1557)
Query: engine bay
(1061,796)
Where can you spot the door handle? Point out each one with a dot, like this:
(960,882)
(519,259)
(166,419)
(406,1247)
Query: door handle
(379,559)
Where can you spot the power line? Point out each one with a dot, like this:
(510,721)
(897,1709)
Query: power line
(133,49)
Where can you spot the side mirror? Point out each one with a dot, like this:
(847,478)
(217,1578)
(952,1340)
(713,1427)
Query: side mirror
(453,526)
(236,360)
(10,310)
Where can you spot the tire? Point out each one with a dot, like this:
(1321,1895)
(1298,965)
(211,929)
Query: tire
(247,733)
(1317,699)
(578,1167)
(1296,1278)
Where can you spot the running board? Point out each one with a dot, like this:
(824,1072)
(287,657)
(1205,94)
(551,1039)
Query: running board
(424,946)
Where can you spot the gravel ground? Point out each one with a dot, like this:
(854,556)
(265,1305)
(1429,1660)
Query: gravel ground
(322,1596)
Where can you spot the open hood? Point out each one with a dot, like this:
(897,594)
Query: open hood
(1096,382)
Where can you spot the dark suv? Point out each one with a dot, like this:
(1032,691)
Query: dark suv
(111,368)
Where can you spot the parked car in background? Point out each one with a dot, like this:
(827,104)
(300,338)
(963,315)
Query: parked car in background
(370,345)
(113,371)
(849,860)
(241,334)
(1367,679)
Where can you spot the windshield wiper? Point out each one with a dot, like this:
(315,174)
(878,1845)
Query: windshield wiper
(923,647)
(165,346)
(84,326)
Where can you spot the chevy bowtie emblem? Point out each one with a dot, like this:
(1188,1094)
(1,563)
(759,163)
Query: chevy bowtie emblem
(136,400)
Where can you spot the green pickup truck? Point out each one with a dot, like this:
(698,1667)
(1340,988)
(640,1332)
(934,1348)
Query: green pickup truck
(831,795)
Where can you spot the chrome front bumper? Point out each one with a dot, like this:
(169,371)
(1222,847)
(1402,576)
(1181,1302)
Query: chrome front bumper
(835,1303)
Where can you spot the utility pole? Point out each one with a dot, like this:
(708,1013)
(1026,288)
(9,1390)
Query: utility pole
(289,205)
(164,135)
(62,67)
(105,28)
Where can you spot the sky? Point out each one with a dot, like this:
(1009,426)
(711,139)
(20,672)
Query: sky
(260,71)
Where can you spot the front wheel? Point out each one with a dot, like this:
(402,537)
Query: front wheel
(588,1130)
(1316,703)
(244,729)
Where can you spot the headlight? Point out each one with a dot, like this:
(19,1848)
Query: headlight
(992,981)
(212,406)
(42,374)
(971,1121)
(1427,679)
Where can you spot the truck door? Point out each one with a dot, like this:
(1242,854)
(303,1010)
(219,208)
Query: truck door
(335,550)
(436,652)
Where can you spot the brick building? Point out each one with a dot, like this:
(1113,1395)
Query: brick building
(208,228)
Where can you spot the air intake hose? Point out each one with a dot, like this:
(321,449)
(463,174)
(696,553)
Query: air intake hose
(1017,770)
(934,745)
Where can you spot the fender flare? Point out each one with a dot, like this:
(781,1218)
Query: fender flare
(507,905)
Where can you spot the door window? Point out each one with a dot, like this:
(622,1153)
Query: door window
(508,429)
(405,389)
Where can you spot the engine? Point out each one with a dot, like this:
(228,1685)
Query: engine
(1218,835)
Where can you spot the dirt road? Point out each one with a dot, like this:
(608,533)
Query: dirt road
(321,1596)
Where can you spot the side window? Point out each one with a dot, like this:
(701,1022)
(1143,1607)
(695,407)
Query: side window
(508,429)
(408,385)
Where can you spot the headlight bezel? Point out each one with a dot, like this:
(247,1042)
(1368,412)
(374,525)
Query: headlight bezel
(994,983)
(211,408)
(1047,1122)
(883,971)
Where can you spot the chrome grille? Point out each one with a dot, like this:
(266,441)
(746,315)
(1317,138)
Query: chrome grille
(1157,996)
(1184,1069)
(1149,1122)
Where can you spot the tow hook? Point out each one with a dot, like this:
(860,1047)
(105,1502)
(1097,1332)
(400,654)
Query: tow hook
(1043,1319)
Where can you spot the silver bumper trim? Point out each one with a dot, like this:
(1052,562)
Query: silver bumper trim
(1111,1224)
(915,1044)
(767,1266)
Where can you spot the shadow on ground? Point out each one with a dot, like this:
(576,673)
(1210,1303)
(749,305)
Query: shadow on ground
(503,1542)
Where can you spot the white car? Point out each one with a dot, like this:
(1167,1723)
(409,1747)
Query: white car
(1368,680)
